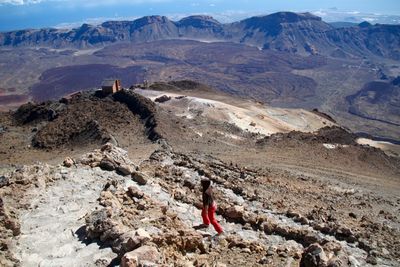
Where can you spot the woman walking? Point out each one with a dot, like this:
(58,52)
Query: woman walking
(209,207)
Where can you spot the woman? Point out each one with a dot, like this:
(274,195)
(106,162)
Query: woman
(209,207)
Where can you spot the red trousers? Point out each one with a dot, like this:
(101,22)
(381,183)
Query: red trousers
(208,216)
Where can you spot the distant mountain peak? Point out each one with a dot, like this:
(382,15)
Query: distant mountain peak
(200,17)
(199,21)
(291,17)
(205,17)
(364,24)
(153,19)
(274,22)
(85,26)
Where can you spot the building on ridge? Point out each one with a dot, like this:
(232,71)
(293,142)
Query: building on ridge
(111,86)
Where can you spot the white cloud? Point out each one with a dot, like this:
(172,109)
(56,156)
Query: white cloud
(91,21)
(369,19)
(81,3)
(355,16)
(19,2)
(320,13)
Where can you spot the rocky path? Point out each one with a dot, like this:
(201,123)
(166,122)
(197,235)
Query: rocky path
(50,228)
(191,216)
(52,233)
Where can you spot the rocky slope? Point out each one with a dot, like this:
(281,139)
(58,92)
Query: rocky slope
(284,31)
(148,216)
(136,201)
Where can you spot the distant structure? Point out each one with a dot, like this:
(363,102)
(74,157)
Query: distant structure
(110,86)
(144,85)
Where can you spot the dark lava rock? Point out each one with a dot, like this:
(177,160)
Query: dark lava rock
(313,256)
(353,215)
(371,260)
(140,178)
(107,164)
(162,99)
(138,104)
(30,112)
(3,129)
(189,184)
(3,181)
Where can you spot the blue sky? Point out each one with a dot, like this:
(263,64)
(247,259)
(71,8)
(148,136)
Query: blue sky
(20,14)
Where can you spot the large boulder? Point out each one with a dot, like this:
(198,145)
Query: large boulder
(140,178)
(107,164)
(146,254)
(314,256)
(125,170)
(235,213)
(99,222)
(130,240)
(162,99)
(184,240)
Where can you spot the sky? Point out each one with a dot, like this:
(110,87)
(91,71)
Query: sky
(22,14)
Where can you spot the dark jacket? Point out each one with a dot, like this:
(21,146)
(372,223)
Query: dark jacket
(208,199)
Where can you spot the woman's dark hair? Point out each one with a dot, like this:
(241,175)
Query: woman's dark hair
(205,184)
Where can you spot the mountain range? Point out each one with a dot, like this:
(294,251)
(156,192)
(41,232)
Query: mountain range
(301,33)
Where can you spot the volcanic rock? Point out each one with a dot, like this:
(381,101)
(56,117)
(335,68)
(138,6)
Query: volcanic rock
(107,164)
(125,169)
(235,213)
(140,178)
(130,241)
(68,162)
(144,253)
(133,191)
(314,256)
(162,99)
(4,181)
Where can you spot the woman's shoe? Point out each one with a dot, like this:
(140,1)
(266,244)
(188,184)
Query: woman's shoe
(201,226)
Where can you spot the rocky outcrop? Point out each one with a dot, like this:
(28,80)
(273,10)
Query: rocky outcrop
(142,106)
(329,134)
(109,158)
(138,104)
(31,112)
(84,120)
